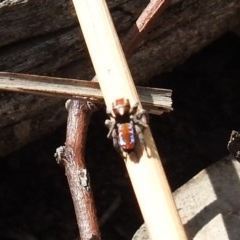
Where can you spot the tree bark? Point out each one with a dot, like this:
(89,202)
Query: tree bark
(72,156)
(25,118)
(43,37)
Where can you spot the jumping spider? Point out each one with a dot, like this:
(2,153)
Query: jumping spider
(126,125)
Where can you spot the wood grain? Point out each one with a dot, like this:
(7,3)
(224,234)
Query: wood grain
(155,100)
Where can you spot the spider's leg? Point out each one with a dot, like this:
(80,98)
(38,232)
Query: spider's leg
(115,139)
(141,113)
(116,143)
(138,121)
(111,125)
(133,108)
(140,135)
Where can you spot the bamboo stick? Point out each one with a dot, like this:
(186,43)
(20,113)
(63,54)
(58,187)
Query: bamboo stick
(146,173)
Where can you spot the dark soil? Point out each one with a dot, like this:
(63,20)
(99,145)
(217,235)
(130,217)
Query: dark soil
(34,197)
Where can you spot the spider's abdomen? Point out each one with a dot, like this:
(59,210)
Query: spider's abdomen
(126,136)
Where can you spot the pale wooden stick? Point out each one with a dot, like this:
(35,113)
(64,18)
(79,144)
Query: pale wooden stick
(146,173)
(155,100)
(135,36)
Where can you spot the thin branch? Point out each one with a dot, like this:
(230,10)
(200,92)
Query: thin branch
(111,209)
(72,156)
(143,24)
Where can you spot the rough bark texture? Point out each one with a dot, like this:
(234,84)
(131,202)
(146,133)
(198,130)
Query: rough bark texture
(73,157)
(43,37)
(25,118)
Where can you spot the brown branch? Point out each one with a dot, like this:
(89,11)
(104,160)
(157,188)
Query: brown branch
(143,24)
(72,157)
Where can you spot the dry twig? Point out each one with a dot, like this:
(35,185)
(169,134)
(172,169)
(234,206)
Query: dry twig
(143,24)
(72,155)
(155,100)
